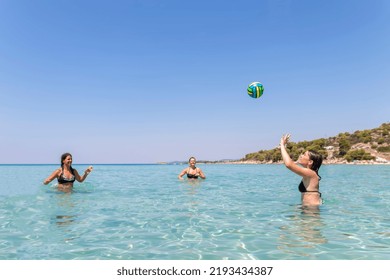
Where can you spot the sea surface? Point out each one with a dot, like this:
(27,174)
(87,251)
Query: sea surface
(240,212)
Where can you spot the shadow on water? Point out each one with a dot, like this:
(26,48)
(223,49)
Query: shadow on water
(192,186)
(64,220)
(302,234)
(64,208)
(190,190)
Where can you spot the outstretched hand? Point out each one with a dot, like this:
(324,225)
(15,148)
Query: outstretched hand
(284,140)
(89,169)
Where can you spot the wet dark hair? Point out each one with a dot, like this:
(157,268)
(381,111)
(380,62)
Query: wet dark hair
(63,157)
(192,158)
(317,161)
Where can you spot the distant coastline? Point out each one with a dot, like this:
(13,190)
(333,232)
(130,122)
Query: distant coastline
(325,162)
(370,146)
(232,162)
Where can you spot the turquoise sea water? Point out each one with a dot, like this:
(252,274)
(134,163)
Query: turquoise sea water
(144,212)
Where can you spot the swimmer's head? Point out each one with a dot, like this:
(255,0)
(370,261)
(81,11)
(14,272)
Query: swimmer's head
(316,158)
(192,161)
(64,156)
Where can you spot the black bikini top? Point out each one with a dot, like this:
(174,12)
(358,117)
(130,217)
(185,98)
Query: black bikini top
(302,188)
(64,180)
(192,176)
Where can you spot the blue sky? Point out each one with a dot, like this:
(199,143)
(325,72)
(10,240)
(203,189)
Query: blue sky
(147,81)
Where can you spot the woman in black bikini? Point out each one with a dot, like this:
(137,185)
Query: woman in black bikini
(309,164)
(66,174)
(192,171)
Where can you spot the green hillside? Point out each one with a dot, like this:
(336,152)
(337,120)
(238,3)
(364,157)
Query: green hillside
(369,144)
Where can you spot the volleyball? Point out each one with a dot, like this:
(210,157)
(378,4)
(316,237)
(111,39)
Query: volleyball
(255,90)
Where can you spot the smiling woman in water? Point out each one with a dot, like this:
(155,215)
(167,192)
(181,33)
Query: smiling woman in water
(192,171)
(66,174)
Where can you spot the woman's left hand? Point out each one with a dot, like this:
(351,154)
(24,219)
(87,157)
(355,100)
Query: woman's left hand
(89,169)
(284,140)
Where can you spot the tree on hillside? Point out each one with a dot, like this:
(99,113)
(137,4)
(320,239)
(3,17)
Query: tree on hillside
(344,146)
(358,155)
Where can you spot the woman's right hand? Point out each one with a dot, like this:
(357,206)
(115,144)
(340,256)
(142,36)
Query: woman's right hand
(54,175)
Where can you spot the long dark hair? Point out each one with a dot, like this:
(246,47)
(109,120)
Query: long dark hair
(317,161)
(63,157)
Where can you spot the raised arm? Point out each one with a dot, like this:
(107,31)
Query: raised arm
(289,163)
(82,178)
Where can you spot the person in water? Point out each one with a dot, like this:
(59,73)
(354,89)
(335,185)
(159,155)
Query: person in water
(308,165)
(66,174)
(192,171)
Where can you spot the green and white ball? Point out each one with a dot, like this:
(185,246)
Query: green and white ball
(255,90)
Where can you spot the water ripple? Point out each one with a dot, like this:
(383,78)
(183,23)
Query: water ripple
(239,212)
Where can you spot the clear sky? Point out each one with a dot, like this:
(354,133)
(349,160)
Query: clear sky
(143,81)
